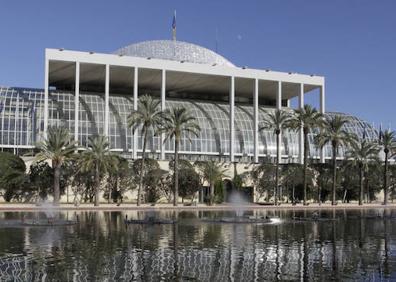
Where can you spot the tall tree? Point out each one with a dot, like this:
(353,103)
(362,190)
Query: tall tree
(211,172)
(276,121)
(263,178)
(305,119)
(361,153)
(334,132)
(148,117)
(178,121)
(12,176)
(388,142)
(99,159)
(59,148)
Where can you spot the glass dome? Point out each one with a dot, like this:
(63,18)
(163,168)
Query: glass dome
(174,51)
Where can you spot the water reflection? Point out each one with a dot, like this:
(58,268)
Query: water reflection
(357,246)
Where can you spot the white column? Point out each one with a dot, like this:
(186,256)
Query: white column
(232,117)
(107,89)
(135,107)
(46,86)
(255,121)
(301,133)
(279,96)
(279,107)
(163,94)
(322,111)
(76,101)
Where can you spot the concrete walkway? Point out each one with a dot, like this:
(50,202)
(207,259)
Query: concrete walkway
(114,207)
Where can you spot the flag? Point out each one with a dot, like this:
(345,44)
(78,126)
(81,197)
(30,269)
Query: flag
(174,26)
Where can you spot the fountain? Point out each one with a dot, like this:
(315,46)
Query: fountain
(51,218)
(238,202)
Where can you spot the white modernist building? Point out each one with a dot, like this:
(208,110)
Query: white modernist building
(93,93)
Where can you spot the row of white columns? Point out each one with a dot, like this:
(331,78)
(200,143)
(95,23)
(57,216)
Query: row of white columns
(163,107)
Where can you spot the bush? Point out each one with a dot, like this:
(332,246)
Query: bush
(219,192)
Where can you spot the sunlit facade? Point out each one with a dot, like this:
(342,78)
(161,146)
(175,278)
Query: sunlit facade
(93,94)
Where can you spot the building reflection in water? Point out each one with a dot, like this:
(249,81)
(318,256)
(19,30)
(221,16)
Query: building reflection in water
(354,246)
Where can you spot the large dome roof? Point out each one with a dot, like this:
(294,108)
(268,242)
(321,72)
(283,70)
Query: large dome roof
(174,51)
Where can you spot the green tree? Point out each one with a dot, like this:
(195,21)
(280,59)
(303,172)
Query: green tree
(324,180)
(12,176)
(305,119)
(276,121)
(99,159)
(219,191)
(156,184)
(188,183)
(59,148)
(263,177)
(41,177)
(334,132)
(178,121)
(388,142)
(119,181)
(362,153)
(211,172)
(148,117)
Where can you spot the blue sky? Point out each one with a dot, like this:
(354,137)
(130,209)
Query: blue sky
(350,42)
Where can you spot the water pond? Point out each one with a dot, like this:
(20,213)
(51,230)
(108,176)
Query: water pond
(345,245)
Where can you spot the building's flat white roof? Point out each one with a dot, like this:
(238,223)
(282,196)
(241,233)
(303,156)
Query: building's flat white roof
(181,76)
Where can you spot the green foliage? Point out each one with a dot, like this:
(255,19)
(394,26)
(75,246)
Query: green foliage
(148,117)
(237,182)
(188,182)
(41,177)
(219,192)
(210,172)
(59,147)
(12,176)
(154,184)
(176,122)
(119,181)
(183,164)
(99,159)
(263,177)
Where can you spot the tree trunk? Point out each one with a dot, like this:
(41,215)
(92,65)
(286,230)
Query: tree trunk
(211,194)
(176,169)
(386,178)
(277,169)
(97,184)
(306,149)
(319,194)
(361,178)
(56,183)
(139,196)
(294,198)
(333,201)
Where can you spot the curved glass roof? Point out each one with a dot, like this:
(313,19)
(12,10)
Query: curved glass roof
(21,125)
(174,51)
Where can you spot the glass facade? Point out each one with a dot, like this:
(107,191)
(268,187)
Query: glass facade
(22,123)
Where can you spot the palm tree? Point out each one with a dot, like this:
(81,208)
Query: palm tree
(148,116)
(361,154)
(388,142)
(334,132)
(211,172)
(176,122)
(99,159)
(276,121)
(305,119)
(59,148)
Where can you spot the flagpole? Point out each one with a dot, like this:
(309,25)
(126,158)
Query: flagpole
(174,26)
